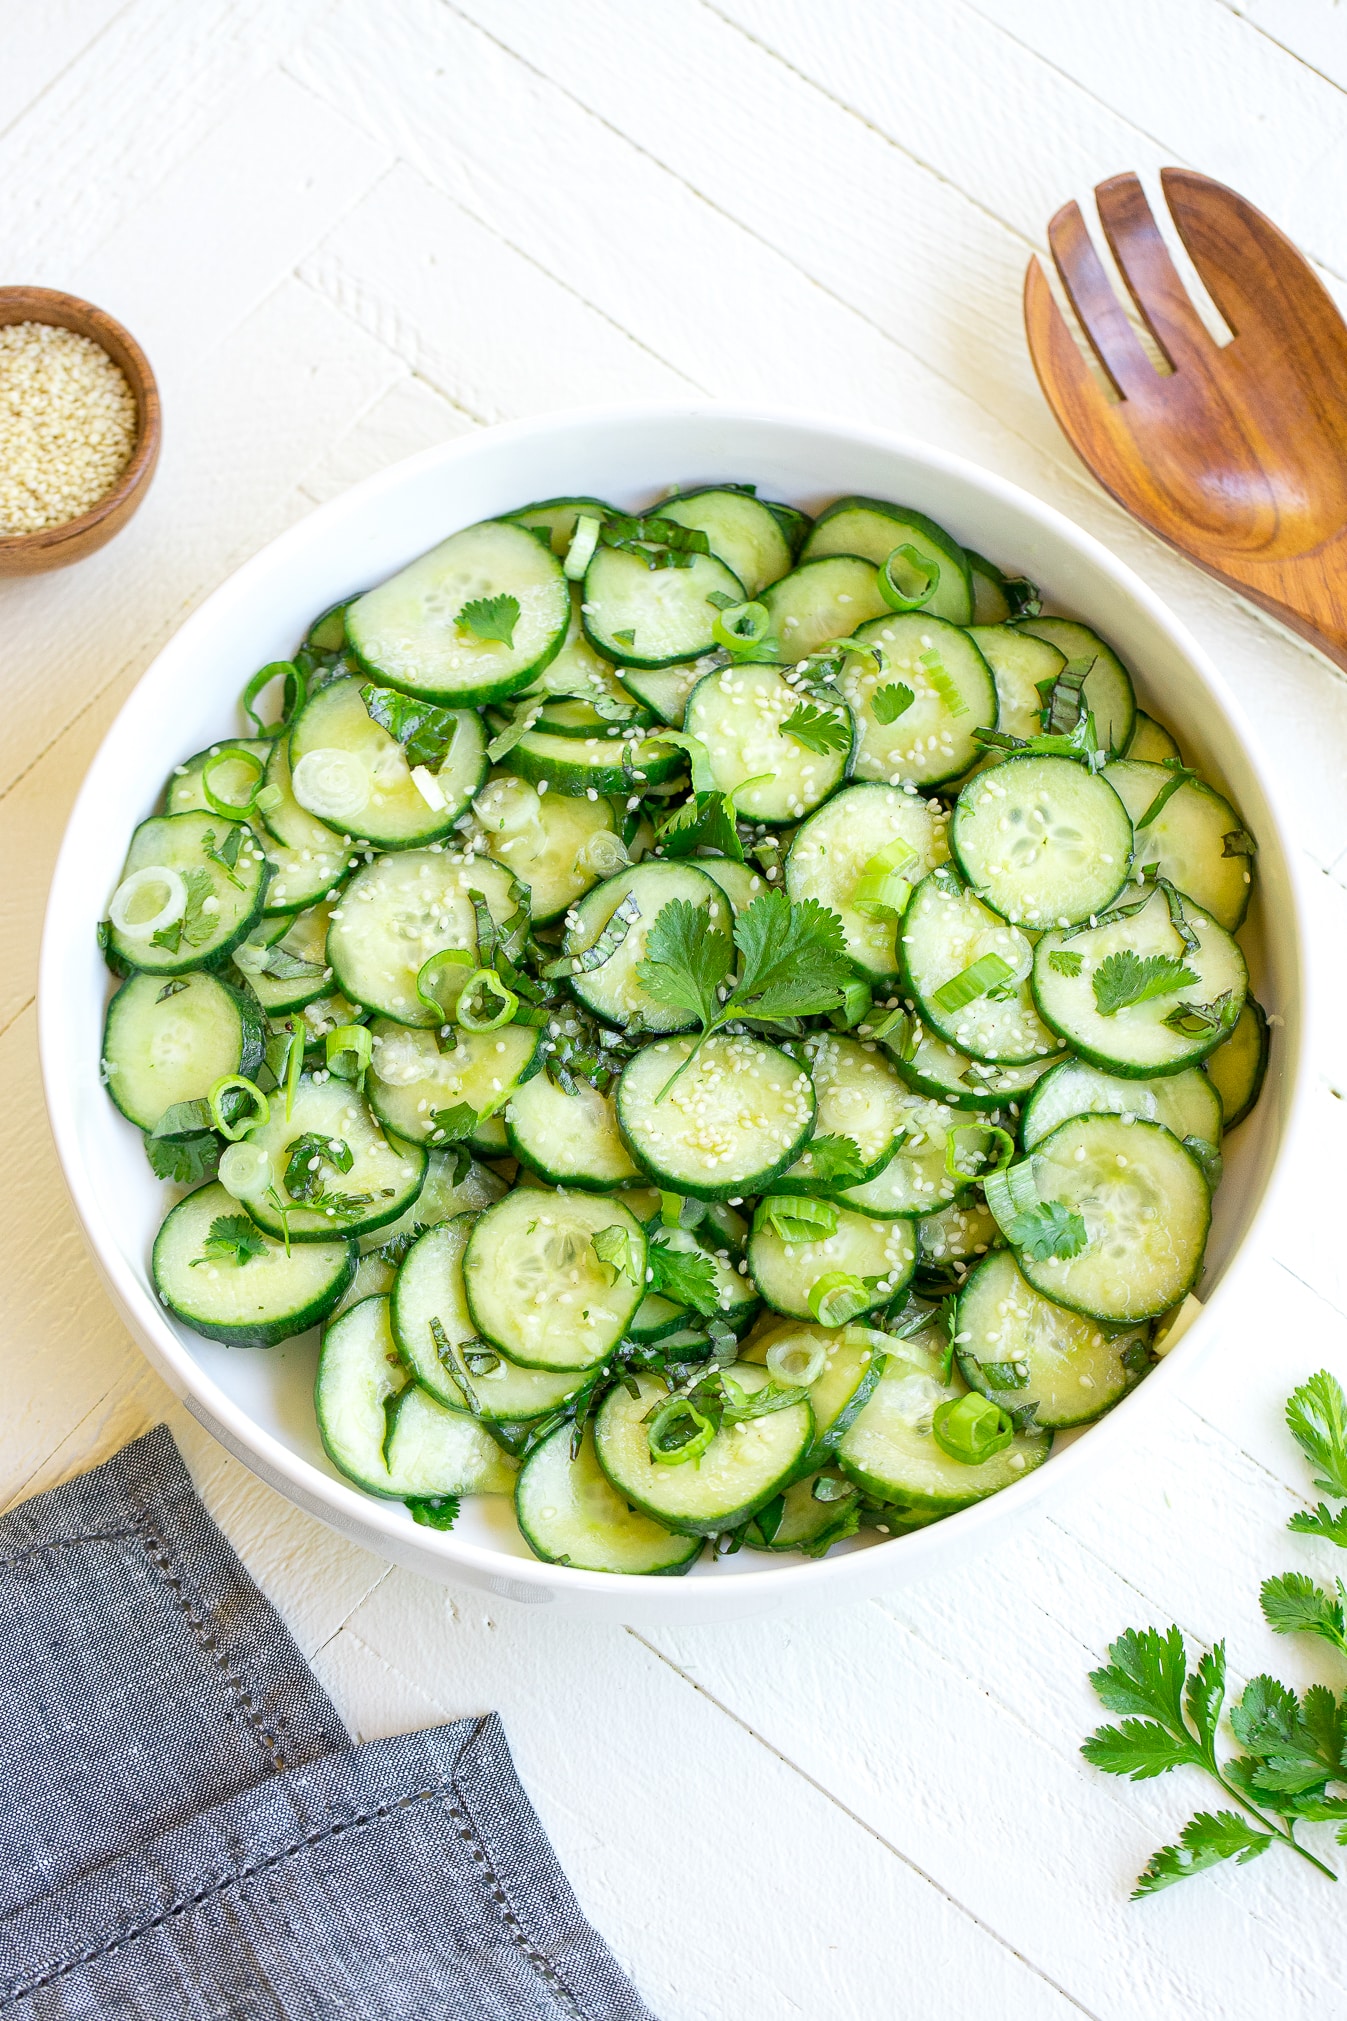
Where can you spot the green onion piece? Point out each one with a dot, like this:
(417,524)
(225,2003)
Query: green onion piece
(233,810)
(1002,1143)
(796,1220)
(353,1041)
(1010,1192)
(678,1432)
(267,798)
(944,684)
(260,1113)
(972,1428)
(584,540)
(430,972)
(327,634)
(494,1006)
(741,627)
(857,1002)
(671,1209)
(989,971)
(294,694)
(837,1297)
(909,578)
(294,1065)
(796,1361)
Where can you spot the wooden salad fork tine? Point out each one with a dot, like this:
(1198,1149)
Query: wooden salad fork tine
(1237,455)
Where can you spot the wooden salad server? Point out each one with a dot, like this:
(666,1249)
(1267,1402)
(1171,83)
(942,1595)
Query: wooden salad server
(1237,456)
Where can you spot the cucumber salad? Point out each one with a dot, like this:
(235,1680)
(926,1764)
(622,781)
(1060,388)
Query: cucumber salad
(726,1020)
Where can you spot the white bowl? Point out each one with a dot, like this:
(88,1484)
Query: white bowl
(259,1404)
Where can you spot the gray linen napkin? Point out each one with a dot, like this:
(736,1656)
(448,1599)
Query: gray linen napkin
(186,1830)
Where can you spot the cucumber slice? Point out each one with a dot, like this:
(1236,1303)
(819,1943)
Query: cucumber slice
(569,1514)
(1023,1351)
(557,517)
(408,633)
(1185,1103)
(925,1063)
(731,1479)
(665,690)
(1108,691)
(740,882)
(916,1179)
(430,1286)
(308,858)
(557,846)
(399,910)
(443,1195)
(612,989)
(946,933)
(288,969)
(890,1451)
(571,716)
(833,850)
(592,765)
(853,1357)
(655,1319)
(1186,840)
(168,1042)
(411,1079)
(1150,742)
(536,1287)
(380,1184)
(1236,1069)
(882,1254)
(254,1303)
(1042,841)
(996,596)
(956,1234)
(740,714)
(728,1126)
(743,532)
(874,527)
(568,1140)
(383,1431)
(374,1278)
(1146,1208)
(637,616)
(1135,1041)
(803,1522)
(398,812)
(859,1096)
(1020,663)
(822,600)
(180,902)
(953,695)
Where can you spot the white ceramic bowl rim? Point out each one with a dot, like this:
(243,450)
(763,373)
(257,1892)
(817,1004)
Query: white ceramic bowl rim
(385,1525)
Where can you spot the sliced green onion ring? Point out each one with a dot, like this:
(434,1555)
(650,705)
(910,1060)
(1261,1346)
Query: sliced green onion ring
(261,1112)
(332,784)
(429,974)
(243,1168)
(153,877)
(294,694)
(796,1219)
(741,627)
(233,810)
(678,1415)
(796,1362)
(989,971)
(1011,1191)
(352,1040)
(837,1297)
(488,988)
(1002,1142)
(885,884)
(913,563)
(972,1428)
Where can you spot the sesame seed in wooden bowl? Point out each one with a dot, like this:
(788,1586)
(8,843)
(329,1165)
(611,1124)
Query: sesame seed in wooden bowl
(79,428)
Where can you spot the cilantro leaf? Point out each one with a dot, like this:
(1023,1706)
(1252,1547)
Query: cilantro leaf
(1065,960)
(195,924)
(820,730)
(437,1512)
(1146,1676)
(687,958)
(1205,1841)
(233,1238)
(888,703)
(1138,1749)
(184,1161)
(424,729)
(617,1253)
(1050,1229)
(833,1161)
(490,618)
(227,855)
(1321,1522)
(1316,1417)
(1125,978)
(687,1276)
(704,821)
(1294,1605)
(794,959)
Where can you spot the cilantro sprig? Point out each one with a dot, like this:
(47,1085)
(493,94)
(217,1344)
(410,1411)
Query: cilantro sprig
(232,1238)
(490,618)
(818,730)
(1124,979)
(792,963)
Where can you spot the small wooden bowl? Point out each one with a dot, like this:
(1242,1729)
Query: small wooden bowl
(55,546)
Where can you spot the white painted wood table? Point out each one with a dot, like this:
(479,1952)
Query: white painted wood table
(344,232)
